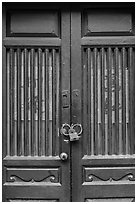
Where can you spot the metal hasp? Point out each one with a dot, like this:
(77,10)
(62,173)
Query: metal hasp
(65,99)
(72,131)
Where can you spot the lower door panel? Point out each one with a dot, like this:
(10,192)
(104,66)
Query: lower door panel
(37,179)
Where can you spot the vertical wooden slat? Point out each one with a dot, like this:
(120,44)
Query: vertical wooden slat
(92,105)
(19,99)
(32,98)
(124,58)
(15,103)
(130,96)
(113,104)
(110,99)
(117,98)
(11,102)
(57,101)
(89,100)
(29,99)
(127,107)
(50,104)
(106,102)
(36,106)
(96,99)
(22,103)
(99,103)
(26,101)
(54,101)
(39,101)
(103,99)
(120,105)
(8,103)
(47,100)
(131,100)
(43,105)
(84,102)
(133,103)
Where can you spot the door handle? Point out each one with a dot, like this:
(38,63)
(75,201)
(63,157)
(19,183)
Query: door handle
(63,156)
(73,131)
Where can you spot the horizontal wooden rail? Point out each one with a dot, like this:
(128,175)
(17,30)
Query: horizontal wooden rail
(124,40)
(22,41)
(116,160)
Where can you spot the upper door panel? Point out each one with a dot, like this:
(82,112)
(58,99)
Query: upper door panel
(97,21)
(33,23)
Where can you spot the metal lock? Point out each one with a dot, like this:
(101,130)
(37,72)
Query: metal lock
(70,131)
(73,135)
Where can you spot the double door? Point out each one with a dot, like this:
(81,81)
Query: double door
(68,102)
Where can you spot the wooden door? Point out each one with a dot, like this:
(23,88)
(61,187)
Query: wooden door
(68,63)
(36,82)
(102,84)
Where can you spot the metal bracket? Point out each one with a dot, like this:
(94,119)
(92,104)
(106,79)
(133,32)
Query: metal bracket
(65,99)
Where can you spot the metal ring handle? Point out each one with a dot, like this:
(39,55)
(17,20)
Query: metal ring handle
(79,125)
(63,127)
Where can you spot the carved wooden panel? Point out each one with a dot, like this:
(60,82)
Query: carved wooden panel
(109,174)
(108,100)
(33,23)
(32,176)
(32,101)
(107,22)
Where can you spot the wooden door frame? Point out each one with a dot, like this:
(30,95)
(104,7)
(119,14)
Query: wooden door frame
(76,101)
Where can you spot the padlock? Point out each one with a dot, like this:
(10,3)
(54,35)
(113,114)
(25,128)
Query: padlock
(73,135)
(70,131)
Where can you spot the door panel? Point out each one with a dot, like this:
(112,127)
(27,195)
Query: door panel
(103,76)
(98,21)
(33,23)
(32,117)
(107,94)
(36,72)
